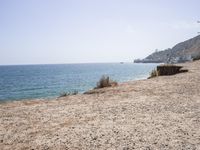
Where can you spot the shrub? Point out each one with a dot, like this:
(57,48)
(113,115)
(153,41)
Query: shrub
(154,73)
(196,58)
(105,82)
(64,94)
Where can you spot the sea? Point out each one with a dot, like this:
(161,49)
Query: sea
(19,82)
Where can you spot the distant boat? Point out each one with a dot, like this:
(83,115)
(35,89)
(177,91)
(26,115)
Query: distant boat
(121,62)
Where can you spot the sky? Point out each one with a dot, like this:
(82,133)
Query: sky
(87,31)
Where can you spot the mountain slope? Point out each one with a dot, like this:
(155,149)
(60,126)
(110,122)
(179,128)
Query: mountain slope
(184,51)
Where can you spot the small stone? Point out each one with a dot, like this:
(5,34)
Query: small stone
(95,138)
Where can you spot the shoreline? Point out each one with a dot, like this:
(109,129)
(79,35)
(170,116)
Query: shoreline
(57,97)
(156,113)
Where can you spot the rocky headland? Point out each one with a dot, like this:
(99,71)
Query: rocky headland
(182,52)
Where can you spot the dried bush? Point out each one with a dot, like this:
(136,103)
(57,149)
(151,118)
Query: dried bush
(64,94)
(105,82)
(154,73)
(196,58)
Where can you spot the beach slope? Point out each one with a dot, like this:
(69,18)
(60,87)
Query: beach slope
(157,113)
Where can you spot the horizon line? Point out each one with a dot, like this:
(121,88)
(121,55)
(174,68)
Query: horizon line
(65,63)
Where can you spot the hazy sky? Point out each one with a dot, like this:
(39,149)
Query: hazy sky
(78,31)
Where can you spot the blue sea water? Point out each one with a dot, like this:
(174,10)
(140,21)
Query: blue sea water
(48,81)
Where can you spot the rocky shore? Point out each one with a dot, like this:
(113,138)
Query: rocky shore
(158,113)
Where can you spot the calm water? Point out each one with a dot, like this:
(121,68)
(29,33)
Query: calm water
(45,81)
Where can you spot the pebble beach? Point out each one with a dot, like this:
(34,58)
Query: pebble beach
(156,113)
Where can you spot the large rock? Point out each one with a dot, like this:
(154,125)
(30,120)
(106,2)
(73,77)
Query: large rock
(168,69)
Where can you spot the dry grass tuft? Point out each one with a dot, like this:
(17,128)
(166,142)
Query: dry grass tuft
(154,73)
(105,82)
(75,92)
(196,58)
